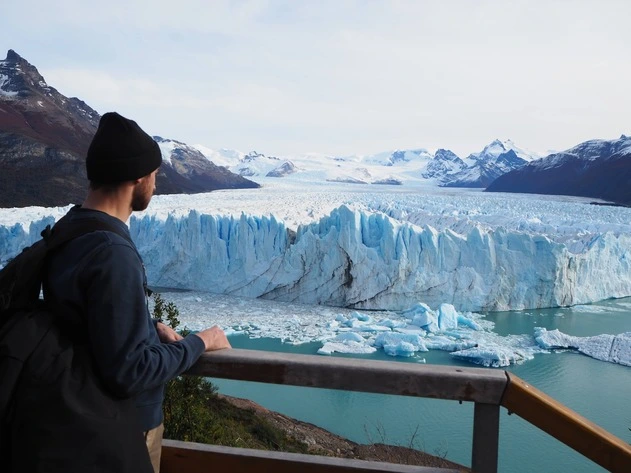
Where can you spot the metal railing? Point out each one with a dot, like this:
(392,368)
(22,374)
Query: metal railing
(487,388)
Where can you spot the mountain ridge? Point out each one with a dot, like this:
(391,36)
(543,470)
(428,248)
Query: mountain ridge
(595,168)
(44,138)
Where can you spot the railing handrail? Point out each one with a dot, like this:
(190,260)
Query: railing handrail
(487,388)
(353,374)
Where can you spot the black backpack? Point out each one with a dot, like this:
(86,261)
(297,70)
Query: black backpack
(55,414)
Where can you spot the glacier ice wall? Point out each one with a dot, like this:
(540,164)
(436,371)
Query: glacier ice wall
(16,237)
(368,260)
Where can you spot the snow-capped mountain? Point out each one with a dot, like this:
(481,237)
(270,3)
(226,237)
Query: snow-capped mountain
(496,148)
(398,157)
(44,137)
(256,164)
(391,167)
(444,164)
(222,157)
(398,167)
(283,170)
(496,159)
(186,170)
(595,168)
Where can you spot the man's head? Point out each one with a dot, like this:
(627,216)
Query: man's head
(121,152)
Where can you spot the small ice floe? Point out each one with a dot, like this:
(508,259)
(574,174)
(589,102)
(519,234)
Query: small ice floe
(492,356)
(611,348)
(422,316)
(493,350)
(447,343)
(400,349)
(358,322)
(392,324)
(400,344)
(467,321)
(346,347)
(445,318)
(347,342)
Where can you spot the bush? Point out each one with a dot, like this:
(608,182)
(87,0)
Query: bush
(186,398)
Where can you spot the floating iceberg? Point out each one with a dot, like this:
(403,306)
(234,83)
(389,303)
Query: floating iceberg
(448,343)
(400,344)
(467,336)
(447,317)
(493,356)
(612,348)
(346,346)
(400,349)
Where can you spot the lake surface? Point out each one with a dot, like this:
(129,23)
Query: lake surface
(598,390)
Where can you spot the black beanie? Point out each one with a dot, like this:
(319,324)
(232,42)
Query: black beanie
(121,151)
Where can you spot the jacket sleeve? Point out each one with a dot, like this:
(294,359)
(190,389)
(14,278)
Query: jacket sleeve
(124,341)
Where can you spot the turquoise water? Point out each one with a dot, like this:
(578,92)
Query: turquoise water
(598,390)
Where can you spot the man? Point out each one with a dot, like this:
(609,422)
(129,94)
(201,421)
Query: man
(100,275)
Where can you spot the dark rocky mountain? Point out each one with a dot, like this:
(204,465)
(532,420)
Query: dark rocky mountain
(596,168)
(44,137)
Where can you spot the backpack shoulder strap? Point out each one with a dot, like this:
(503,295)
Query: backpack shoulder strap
(65,230)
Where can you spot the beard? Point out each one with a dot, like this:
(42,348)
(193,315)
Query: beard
(142,196)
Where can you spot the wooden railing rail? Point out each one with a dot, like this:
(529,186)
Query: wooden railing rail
(564,424)
(487,388)
(187,457)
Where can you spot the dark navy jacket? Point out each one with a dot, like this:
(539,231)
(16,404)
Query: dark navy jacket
(99,279)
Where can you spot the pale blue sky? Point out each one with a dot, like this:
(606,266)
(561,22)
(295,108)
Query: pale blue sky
(340,77)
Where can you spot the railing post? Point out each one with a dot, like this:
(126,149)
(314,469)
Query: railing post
(486,431)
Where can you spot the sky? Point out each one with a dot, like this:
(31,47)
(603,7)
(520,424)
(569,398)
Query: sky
(340,77)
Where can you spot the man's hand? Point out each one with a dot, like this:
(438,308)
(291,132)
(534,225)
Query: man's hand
(167,334)
(214,339)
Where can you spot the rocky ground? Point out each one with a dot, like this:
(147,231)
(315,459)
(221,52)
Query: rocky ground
(323,442)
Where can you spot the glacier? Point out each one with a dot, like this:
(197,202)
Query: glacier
(385,251)
(352,258)
(421,261)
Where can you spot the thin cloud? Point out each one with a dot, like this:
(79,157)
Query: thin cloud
(340,77)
